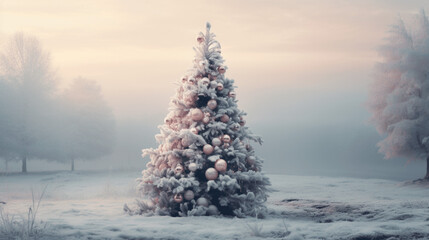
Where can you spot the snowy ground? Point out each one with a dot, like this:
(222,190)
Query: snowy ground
(88,205)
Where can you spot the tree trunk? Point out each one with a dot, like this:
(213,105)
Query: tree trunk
(72,164)
(427,168)
(24,164)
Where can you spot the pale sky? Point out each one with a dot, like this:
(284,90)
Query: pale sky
(298,65)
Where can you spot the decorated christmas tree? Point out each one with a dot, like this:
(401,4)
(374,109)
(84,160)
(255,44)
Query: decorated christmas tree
(204,164)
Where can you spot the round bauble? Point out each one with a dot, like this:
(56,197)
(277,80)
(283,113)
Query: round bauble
(179,169)
(242,122)
(221,69)
(206,120)
(203,202)
(221,165)
(216,142)
(213,84)
(226,138)
(197,114)
(205,82)
(232,94)
(212,104)
(200,38)
(194,130)
(184,79)
(189,195)
(251,160)
(188,153)
(208,149)
(213,210)
(178,198)
(224,118)
(211,174)
(219,86)
(191,80)
(186,142)
(192,167)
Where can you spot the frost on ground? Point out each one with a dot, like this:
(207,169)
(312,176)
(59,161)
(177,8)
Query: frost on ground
(88,205)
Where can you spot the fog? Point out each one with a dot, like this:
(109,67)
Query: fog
(303,71)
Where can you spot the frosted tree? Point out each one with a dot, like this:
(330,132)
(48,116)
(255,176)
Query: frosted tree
(88,130)
(204,164)
(25,65)
(399,98)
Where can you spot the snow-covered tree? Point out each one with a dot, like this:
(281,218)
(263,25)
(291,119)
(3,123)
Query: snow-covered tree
(88,130)
(204,164)
(399,98)
(26,67)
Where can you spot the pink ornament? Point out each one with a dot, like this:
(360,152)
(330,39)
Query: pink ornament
(224,118)
(216,142)
(197,114)
(206,120)
(251,160)
(242,122)
(208,149)
(219,86)
(226,138)
(189,195)
(212,104)
(221,69)
(220,165)
(232,94)
(186,142)
(211,174)
(178,198)
(200,38)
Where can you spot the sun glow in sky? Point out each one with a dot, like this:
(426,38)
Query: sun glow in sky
(297,64)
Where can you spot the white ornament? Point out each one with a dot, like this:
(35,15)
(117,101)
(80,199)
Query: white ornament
(211,174)
(206,120)
(192,167)
(189,195)
(203,202)
(219,86)
(205,82)
(189,153)
(213,84)
(216,142)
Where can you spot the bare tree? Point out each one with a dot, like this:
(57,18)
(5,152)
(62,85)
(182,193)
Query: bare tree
(89,124)
(27,67)
(399,98)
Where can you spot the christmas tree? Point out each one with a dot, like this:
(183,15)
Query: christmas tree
(204,164)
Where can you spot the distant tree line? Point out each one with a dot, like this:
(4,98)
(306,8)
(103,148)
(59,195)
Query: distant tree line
(40,121)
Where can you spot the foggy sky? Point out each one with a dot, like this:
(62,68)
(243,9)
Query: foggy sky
(302,68)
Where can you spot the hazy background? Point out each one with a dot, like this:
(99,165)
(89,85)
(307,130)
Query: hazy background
(303,69)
